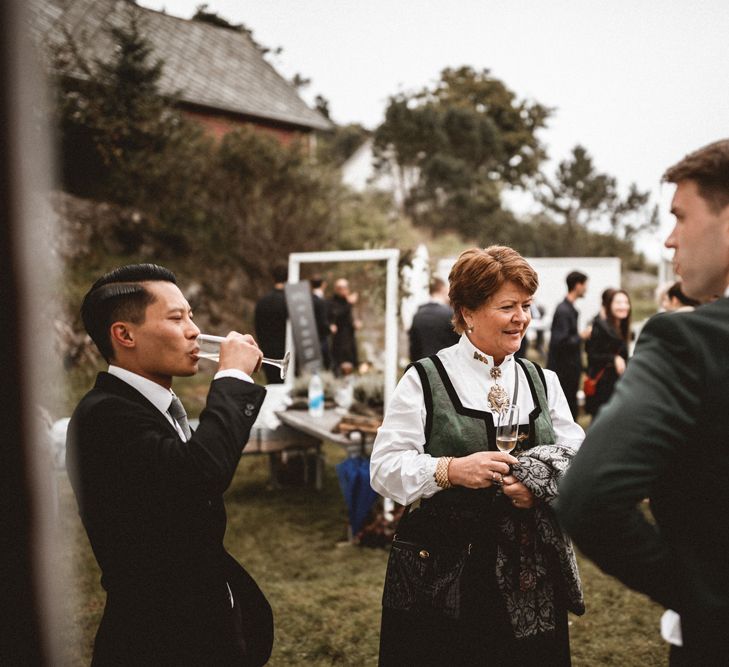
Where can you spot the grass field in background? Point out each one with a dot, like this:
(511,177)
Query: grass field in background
(325,595)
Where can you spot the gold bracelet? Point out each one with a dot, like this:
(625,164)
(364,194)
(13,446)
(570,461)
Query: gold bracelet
(441,472)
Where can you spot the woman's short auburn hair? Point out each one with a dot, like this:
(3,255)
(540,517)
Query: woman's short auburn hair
(479,273)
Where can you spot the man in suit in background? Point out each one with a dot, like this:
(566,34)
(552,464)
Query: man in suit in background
(321,315)
(565,355)
(663,436)
(149,490)
(343,326)
(270,317)
(432,328)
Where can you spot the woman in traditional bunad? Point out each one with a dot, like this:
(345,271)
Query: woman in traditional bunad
(479,571)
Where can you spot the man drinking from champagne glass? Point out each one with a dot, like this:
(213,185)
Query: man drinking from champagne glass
(149,490)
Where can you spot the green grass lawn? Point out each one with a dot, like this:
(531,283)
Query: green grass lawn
(325,596)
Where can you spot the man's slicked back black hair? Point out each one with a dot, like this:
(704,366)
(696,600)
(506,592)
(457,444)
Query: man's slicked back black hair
(119,295)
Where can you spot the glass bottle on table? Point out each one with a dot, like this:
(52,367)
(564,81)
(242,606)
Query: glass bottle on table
(316,395)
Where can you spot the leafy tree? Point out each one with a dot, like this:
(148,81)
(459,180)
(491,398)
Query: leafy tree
(116,129)
(460,142)
(233,205)
(270,200)
(367,221)
(339,145)
(583,199)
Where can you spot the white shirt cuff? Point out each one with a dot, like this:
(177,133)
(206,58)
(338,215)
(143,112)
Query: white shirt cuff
(233,373)
(671,627)
(430,488)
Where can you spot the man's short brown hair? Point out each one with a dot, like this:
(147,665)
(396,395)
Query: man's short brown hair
(436,285)
(479,273)
(708,167)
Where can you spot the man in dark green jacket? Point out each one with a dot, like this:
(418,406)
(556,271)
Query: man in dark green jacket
(665,436)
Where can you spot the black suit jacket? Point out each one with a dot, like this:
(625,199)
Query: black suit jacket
(564,352)
(564,341)
(270,323)
(344,343)
(321,315)
(663,436)
(431,331)
(153,510)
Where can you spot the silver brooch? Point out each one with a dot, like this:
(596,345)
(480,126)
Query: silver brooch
(497,398)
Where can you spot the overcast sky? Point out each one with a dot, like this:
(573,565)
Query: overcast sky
(638,82)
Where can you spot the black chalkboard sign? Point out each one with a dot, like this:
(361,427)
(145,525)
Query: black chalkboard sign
(303,325)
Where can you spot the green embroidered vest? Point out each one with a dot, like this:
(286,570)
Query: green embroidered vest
(451,429)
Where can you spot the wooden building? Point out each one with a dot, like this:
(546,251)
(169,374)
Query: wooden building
(218,75)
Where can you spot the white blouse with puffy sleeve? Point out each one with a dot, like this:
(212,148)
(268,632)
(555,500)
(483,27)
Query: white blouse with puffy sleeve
(399,467)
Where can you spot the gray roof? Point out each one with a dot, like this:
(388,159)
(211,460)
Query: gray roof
(204,64)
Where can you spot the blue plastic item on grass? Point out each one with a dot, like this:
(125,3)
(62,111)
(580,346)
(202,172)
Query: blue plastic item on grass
(354,480)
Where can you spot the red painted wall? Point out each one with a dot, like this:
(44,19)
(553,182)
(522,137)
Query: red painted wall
(218,125)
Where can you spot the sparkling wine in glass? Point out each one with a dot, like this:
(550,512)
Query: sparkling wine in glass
(210,349)
(507,429)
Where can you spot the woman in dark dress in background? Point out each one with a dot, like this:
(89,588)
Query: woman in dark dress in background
(607,349)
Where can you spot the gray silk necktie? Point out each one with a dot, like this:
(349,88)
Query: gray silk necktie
(178,413)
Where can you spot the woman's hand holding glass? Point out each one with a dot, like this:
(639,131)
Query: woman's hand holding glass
(480,469)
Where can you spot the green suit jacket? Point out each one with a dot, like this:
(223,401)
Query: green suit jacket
(664,436)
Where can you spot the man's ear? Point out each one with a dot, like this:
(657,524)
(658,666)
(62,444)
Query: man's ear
(122,335)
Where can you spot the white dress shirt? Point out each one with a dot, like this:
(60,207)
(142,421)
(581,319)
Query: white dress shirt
(399,467)
(160,397)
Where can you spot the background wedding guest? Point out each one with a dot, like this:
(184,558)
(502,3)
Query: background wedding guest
(321,315)
(565,343)
(344,325)
(537,312)
(607,349)
(675,301)
(605,297)
(432,327)
(270,322)
(663,436)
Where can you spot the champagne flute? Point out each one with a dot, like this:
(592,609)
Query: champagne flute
(210,349)
(507,429)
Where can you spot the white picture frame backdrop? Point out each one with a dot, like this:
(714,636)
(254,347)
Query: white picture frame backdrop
(389,255)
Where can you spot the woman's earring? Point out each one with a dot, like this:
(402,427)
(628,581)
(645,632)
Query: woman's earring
(469,328)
